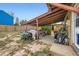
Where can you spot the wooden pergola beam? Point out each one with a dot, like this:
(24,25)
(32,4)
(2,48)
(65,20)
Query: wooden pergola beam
(49,16)
(55,10)
(49,13)
(45,15)
(53,18)
(61,18)
(50,19)
(65,7)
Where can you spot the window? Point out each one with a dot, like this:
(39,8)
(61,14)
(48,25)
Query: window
(77,22)
(77,28)
(78,39)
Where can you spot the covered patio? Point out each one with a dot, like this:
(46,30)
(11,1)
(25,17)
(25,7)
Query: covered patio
(57,13)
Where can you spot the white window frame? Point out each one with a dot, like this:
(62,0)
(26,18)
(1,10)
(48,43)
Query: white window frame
(74,28)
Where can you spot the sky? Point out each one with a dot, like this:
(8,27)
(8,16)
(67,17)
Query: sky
(24,11)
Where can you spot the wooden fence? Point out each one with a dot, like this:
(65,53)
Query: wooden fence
(16,28)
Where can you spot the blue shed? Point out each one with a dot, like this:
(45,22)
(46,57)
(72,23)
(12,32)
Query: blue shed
(5,18)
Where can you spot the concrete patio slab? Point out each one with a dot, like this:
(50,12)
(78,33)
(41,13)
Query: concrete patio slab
(58,49)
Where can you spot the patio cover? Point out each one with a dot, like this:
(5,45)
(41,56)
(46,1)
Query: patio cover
(56,13)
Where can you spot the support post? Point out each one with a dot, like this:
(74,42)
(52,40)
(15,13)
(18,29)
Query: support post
(37,26)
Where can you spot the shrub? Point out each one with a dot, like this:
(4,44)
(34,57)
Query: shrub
(46,29)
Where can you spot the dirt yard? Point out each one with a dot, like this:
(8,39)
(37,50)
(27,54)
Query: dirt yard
(11,45)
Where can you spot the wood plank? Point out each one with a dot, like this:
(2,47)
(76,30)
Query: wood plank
(53,14)
(54,20)
(65,7)
(44,15)
(52,17)
(58,20)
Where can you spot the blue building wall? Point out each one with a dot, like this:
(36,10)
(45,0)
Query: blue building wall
(5,18)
